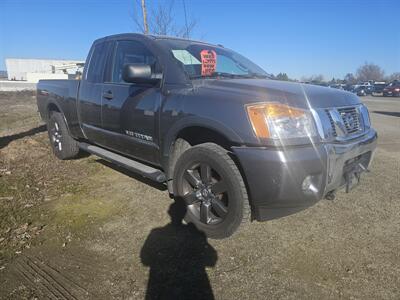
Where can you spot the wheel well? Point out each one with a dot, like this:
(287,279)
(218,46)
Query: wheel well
(199,135)
(52,107)
(194,136)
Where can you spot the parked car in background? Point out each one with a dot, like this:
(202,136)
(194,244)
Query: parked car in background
(348,87)
(378,87)
(361,90)
(336,86)
(393,89)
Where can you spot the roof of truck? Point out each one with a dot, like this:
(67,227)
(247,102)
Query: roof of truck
(150,36)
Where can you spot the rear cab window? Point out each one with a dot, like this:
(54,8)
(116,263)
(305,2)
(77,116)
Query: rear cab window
(98,58)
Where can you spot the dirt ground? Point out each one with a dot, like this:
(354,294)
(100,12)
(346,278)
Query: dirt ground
(83,229)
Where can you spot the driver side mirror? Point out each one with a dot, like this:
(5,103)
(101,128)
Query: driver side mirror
(139,73)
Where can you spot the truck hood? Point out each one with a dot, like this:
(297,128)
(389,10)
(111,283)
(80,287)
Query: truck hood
(291,93)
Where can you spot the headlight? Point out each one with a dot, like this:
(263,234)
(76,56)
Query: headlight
(280,121)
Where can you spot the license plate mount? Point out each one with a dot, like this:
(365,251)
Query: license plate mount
(353,169)
(352,180)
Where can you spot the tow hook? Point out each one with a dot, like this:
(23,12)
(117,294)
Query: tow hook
(330,196)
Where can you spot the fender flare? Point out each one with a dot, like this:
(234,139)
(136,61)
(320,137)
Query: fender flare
(54,102)
(195,121)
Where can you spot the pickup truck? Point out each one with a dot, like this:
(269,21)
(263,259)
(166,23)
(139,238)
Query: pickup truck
(230,143)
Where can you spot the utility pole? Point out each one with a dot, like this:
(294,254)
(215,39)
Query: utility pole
(145,26)
(186,23)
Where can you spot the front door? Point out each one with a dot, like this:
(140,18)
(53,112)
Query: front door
(129,110)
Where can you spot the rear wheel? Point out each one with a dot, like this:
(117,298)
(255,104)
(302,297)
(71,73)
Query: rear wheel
(63,145)
(210,184)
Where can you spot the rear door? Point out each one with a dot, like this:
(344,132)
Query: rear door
(90,92)
(129,110)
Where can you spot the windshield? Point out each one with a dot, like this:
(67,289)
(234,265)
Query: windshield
(206,61)
(394,83)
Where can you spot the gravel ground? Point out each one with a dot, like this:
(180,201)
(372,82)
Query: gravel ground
(85,229)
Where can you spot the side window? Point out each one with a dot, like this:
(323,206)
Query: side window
(129,52)
(95,72)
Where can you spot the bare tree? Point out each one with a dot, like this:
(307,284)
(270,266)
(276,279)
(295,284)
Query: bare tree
(393,76)
(314,78)
(161,20)
(350,79)
(370,71)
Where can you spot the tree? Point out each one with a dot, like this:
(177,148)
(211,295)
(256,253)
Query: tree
(282,76)
(350,78)
(370,71)
(314,78)
(161,20)
(393,77)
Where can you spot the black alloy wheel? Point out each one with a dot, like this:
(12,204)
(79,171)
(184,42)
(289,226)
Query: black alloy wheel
(55,136)
(205,193)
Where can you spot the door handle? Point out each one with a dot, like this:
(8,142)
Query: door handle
(108,95)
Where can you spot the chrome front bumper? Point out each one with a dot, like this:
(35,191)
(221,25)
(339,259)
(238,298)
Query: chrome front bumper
(340,154)
(276,177)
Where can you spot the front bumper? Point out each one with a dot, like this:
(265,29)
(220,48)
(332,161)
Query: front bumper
(283,181)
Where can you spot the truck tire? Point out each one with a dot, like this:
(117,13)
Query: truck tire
(63,145)
(210,184)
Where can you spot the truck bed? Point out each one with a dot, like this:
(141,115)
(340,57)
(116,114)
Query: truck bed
(61,93)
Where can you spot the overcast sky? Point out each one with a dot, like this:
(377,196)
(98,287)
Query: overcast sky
(301,38)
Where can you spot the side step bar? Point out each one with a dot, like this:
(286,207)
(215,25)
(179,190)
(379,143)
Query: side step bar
(131,165)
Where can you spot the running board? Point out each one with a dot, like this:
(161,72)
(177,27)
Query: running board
(131,165)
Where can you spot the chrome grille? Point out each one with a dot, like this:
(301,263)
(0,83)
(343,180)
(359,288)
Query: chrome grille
(342,123)
(334,133)
(351,119)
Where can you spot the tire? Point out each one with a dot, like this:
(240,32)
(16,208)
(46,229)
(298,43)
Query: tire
(210,184)
(63,145)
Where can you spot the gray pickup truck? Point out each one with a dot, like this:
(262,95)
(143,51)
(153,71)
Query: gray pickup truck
(228,141)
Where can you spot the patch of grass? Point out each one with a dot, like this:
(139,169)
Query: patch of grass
(79,211)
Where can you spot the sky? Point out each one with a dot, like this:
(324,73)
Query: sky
(301,38)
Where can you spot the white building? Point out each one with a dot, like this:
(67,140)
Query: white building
(32,70)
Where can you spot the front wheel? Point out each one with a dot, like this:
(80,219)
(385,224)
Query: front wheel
(210,184)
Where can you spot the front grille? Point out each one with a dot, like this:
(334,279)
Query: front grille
(351,119)
(334,133)
(343,122)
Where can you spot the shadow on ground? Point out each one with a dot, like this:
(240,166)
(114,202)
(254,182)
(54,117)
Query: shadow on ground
(388,113)
(5,140)
(177,255)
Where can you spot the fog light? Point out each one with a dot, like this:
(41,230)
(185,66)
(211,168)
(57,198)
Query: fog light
(308,185)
